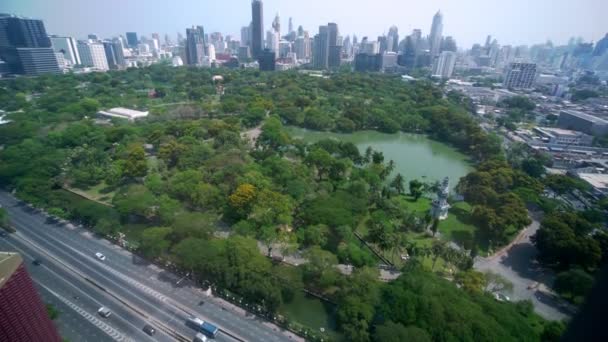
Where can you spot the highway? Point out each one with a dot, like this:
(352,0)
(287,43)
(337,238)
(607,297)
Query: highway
(137,292)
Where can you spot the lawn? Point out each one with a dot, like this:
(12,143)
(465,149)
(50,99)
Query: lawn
(101,193)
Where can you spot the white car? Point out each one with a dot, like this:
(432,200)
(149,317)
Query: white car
(104,312)
(501,297)
(100,256)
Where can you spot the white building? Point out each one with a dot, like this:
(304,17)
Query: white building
(68,48)
(389,60)
(444,65)
(519,75)
(211,51)
(564,136)
(93,54)
(123,113)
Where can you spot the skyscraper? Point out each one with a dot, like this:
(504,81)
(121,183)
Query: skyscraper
(276,24)
(23,316)
(436,31)
(393,39)
(444,65)
(68,48)
(601,46)
(246,35)
(290,26)
(321,49)
(267,60)
(520,75)
(257,27)
(25,46)
(93,54)
(335,47)
(195,45)
(132,40)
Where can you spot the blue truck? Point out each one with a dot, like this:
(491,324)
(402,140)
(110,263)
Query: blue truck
(202,326)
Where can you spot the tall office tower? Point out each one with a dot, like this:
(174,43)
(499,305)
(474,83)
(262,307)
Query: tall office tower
(320,50)
(257,27)
(272,41)
(448,44)
(119,52)
(25,46)
(335,46)
(487,44)
(393,39)
(408,57)
(436,31)
(520,76)
(111,54)
(93,54)
(284,48)
(302,46)
(347,47)
(276,24)
(382,44)
(246,35)
(290,25)
(601,46)
(180,38)
(444,65)
(195,48)
(211,54)
(300,30)
(168,41)
(68,48)
(132,40)
(23,315)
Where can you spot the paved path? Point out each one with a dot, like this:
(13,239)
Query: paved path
(517,263)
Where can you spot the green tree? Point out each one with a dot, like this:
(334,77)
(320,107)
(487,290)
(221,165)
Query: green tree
(397,184)
(135,161)
(416,189)
(395,332)
(154,241)
(573,284)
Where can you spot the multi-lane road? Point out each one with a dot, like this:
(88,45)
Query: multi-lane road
(137,293)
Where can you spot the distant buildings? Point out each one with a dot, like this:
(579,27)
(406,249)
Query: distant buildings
(559,136)
(257,27)
(335,48)
(195,45)
(519,76)
(582,122)
(132,40)
(444,65)
(267,60)
(365,62)
(67,46)
(23,315)
(436,32)
(93,54)
(26,47)
(320,50)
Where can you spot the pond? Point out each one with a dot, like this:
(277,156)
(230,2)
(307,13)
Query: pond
(415,155)
(311,312)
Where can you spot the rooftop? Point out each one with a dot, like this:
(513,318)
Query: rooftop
(559,131)
(8,264)
(597,180)
(586,116)
(123,113)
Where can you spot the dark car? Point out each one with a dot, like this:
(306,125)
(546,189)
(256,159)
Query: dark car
(37,262)
(148,329)
(3,233)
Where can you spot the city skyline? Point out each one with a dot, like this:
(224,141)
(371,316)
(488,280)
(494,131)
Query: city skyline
(507,22)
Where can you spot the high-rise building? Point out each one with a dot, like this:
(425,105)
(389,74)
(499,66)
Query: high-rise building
(25,46)
(38,61)
(436,32)
(68,48)
(272,41)
(335,46)
(23,315)
(114,54)
(290,26)
(368,62)
(267,60)
(93,54)
(276,24)
(119,51)
(257,27)
(519,75)
(246,35)
(408,57)
(321,49)
(444,65)
(601,46)
(393,39)
(448,44)
(195,45)
(132,40)
(302,46)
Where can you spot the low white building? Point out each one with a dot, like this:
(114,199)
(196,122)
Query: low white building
(123,113)
(564,136)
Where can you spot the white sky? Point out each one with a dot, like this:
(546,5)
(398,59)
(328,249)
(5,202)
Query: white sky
(469,21)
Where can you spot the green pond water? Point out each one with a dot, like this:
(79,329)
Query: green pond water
(415,155)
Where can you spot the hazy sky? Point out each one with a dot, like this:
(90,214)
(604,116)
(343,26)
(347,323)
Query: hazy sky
(469,21)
